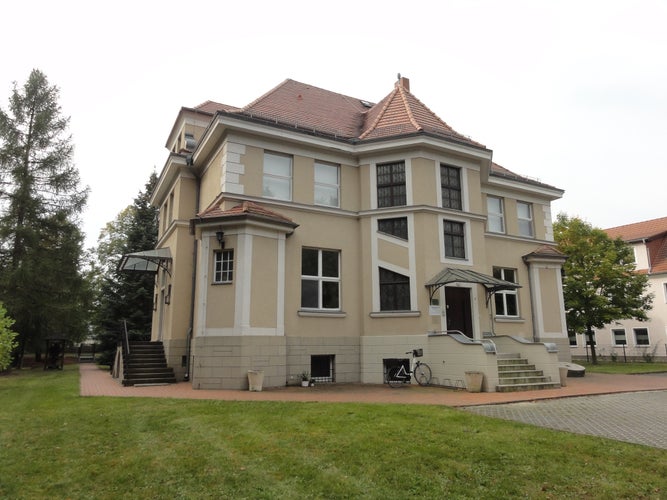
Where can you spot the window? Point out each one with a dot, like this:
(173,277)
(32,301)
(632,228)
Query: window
(525,216)
(507,303)
(322,368)
(320,279)
(397,226)
(394,291)
(495,215)
(573,339)
(618,337)
(190,143)
(327,184)
(454,239)
(641,336)
(165,216)
(450,184)
(391,185)
(277,176)
(223,266)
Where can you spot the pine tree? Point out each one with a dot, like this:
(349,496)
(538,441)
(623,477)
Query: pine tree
(600,285)
(40,202)
(125,298)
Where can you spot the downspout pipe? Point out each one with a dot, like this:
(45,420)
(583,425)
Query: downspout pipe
(195,247)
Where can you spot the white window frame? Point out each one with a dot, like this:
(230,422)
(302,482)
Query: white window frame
(223,266)
(269,176)
(525,221)
(326,186)
(507,293)
(495,216)
(570,338)
(613,337)
(320,279)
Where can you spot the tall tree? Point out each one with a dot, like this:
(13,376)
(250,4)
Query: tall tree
(125,297)
(40,202)
(600,285)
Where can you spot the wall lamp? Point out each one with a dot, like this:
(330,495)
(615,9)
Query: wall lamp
(220,236)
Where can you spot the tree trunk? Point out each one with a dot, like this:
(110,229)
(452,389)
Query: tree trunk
(591,343)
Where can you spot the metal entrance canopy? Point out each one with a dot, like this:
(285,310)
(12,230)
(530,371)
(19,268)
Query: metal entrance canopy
(147,261)
(451,275)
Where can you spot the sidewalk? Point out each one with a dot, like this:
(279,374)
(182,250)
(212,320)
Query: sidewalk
(97,382)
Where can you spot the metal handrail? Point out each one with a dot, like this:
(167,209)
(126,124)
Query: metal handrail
(126,339)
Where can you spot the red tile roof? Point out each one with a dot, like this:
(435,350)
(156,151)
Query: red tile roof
(654,233)
(313,110)
(212,107)
(215,211)
(657,251)
(307,107)
(547,251)
(402,113)
(639,230)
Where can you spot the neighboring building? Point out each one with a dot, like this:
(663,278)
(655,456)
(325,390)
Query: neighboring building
(632,338)
(312,231)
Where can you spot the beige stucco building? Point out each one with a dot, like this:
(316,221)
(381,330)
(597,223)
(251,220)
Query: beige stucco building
(312,231)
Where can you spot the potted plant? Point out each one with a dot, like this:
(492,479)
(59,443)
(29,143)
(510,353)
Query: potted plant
(305,378)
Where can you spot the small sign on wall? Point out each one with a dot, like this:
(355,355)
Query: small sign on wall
(434,308)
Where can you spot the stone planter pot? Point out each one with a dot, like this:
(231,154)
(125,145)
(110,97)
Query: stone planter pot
(255,380)
(474,381)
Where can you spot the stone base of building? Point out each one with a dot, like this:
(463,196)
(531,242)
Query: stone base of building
(224,362)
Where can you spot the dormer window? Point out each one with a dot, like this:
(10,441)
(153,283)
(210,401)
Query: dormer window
(190,143)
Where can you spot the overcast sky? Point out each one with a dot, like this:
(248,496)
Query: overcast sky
(573,93)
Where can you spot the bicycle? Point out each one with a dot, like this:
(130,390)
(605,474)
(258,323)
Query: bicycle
(397,375)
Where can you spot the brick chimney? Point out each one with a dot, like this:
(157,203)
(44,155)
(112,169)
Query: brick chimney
(404,83)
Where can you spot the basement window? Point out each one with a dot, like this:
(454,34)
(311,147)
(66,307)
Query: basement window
(322,368)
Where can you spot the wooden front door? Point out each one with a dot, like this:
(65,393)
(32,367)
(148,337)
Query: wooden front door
(459,310)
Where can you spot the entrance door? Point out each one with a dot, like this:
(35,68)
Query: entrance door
(458,310)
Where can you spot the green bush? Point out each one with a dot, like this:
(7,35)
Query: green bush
(7,336)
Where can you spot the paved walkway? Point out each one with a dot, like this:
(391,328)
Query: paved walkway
(634,417)
(622,407)
(97,382)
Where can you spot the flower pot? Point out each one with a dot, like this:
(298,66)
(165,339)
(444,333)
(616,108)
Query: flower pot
(255,380)
(474,381)
(305,383)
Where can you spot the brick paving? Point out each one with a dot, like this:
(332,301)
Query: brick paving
(634,417)
(97,382)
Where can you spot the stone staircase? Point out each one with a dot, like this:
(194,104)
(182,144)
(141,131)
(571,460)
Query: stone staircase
(147,365)
(516,374)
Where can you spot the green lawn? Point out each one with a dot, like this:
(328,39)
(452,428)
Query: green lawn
(56,444)
(624,368)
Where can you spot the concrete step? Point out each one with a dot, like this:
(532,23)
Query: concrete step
(520,373)
(520,380)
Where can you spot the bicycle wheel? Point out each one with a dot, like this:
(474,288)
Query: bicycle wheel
(422,374)
(393,379)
